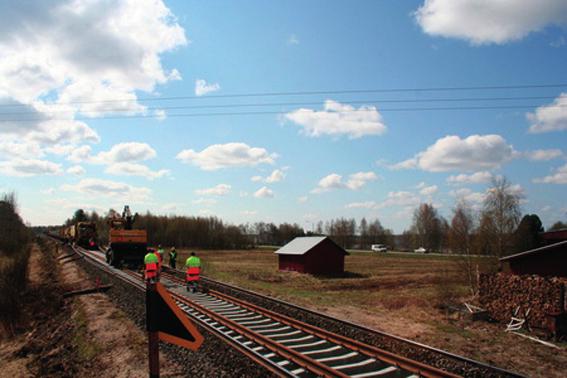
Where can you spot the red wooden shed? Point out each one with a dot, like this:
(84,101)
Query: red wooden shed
(550,260)
(312,254)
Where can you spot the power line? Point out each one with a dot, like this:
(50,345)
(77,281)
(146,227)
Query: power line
(349,102)
(188,115)
(317,92)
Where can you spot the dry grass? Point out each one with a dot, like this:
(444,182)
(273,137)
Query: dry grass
(398,293)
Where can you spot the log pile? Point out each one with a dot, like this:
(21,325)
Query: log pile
(501,294)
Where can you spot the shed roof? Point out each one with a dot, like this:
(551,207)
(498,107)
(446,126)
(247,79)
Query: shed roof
(302,244)
(536,251)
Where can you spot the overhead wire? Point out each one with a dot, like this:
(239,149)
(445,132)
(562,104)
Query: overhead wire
(315,92)
(188,115)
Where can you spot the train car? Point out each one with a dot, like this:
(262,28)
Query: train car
(127,245)
(82,234)
(85,235)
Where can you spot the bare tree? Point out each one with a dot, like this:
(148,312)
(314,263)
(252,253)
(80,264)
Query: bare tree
(500,216)
(460,241)
(363,232)
(427,226)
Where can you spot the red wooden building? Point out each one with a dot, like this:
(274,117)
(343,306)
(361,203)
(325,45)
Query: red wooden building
(549,260)
(312,254)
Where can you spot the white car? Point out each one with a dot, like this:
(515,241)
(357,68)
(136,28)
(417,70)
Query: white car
(420,250)
(378,248)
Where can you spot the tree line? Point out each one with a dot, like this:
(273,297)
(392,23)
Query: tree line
(497,228)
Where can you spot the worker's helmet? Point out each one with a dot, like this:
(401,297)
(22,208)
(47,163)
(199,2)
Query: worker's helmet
(173,248)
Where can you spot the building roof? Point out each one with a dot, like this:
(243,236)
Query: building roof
(301,245)
(536,251)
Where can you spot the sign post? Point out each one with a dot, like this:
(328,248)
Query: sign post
(166,322)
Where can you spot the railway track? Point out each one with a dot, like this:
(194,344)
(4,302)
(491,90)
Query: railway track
(282,344)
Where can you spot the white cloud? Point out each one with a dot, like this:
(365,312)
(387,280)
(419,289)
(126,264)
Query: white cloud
(335,181)
(125,152)
(227,155)
(243,194)
(481,177)
(277,175)
(218,190)
(204,201)
(82,54)
(202,87)
(76,170)
(559,177)
(99,187)
(339,119)
(29,167)
(134,169)
(264,192)
(80,154)
(551,117)
(489,21)
(302,199)
(544,155)
(475,152)
(466,194)
(429,190)
(401,198)
(20,149)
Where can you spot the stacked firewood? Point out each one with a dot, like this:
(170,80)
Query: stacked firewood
(502,294)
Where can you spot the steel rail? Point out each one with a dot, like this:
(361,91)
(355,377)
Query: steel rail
(361,327)
(371,351)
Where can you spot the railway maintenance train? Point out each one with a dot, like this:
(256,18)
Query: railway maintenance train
(127,246)
(81,233)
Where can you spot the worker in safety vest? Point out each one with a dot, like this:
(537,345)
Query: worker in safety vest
(172,258)
(193,265)
(151,262)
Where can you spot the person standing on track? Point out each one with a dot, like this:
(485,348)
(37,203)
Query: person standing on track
(151,262)
(193,265)
(172,258)
(160,252)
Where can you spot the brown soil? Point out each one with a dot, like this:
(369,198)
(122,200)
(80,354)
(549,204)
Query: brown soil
(84,336)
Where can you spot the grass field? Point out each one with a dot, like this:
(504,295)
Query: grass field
(397,293)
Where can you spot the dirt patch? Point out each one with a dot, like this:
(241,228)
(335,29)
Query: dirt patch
(110,337)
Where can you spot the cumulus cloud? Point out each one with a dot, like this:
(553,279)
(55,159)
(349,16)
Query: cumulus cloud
(76,170)
(473,153)
(302,199)
(475,199)
(559,177)
(99,187)
(135,169)
(428,190)
(481,177)
(551,117)
(80,154)
(489,21)
(339,119)
(218,190)
(362,205)
(29,167)
(277,175)
(125,152)
(248,212)
(202,87)
(544,155)
(59,59)
(20,149)
(335,181)
(264,192)
(401,198)
(218,156)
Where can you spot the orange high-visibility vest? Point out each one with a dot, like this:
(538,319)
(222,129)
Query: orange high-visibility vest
(193,273)
(151,270)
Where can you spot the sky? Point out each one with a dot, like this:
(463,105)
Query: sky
(282,111)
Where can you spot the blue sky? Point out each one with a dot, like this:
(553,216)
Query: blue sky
(99,120)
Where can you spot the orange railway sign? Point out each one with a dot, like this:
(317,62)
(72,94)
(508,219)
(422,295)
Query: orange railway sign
(166,318)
